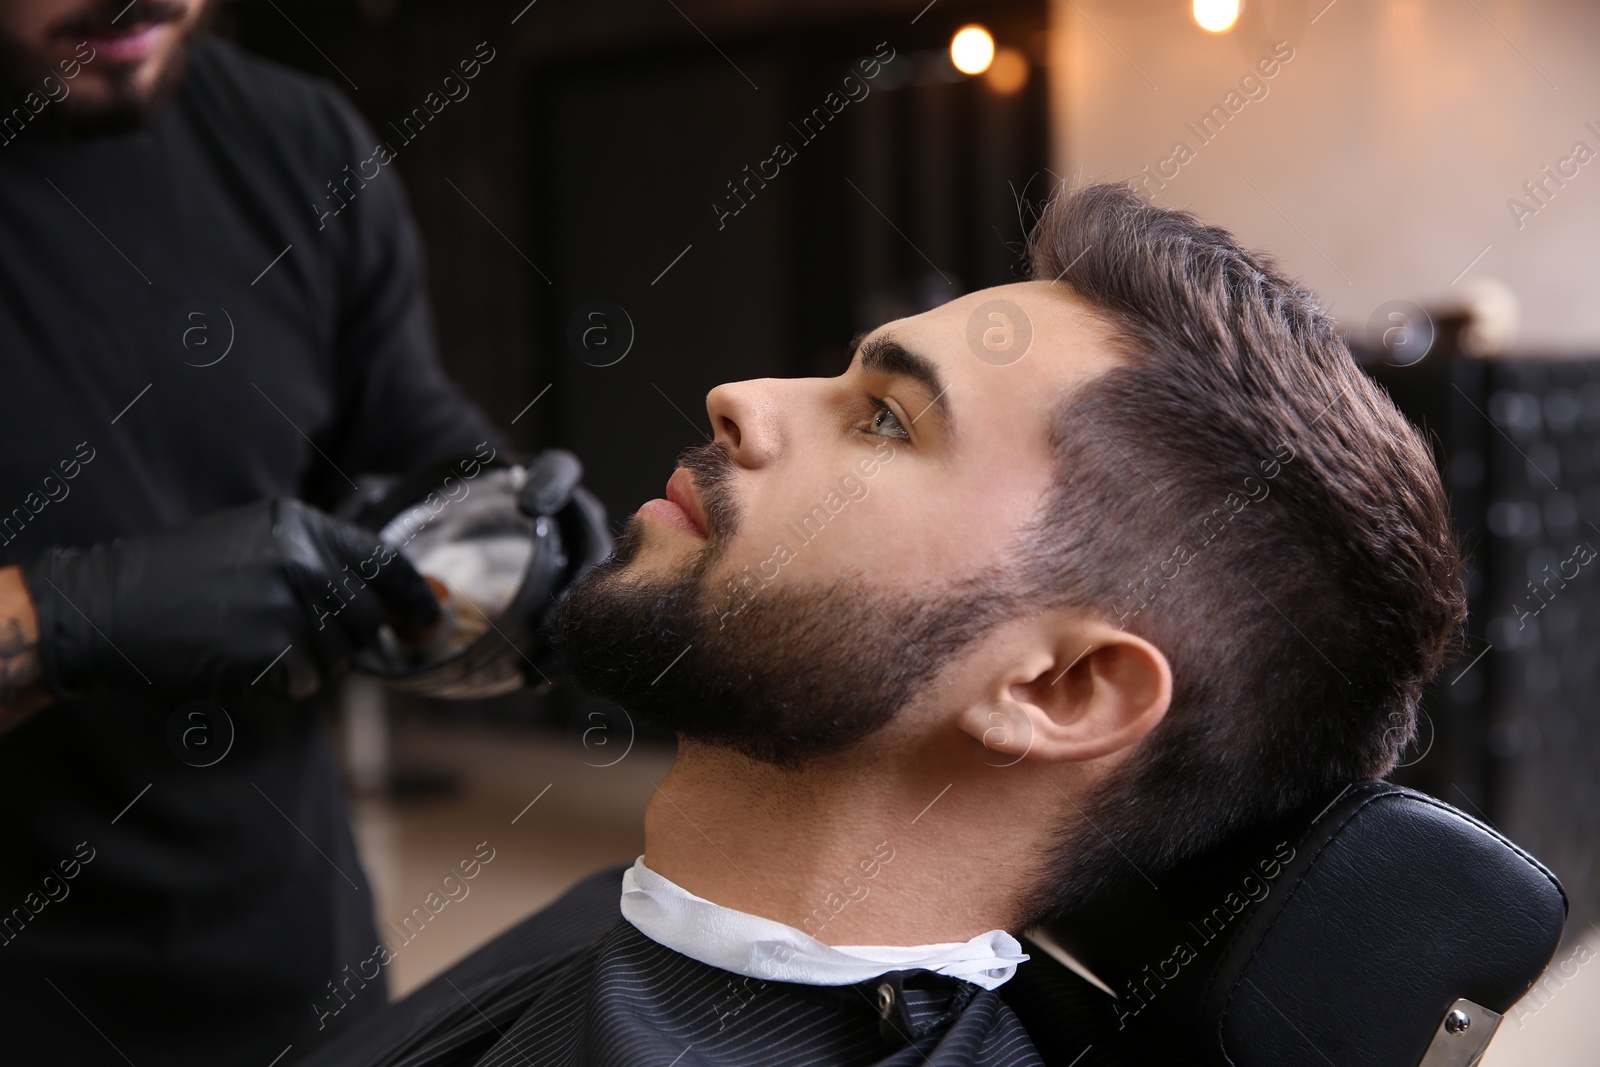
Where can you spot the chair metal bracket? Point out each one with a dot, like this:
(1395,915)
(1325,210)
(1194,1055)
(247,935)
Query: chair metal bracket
(1462,1037)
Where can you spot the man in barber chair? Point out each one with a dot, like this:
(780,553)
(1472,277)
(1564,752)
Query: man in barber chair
(1056,585)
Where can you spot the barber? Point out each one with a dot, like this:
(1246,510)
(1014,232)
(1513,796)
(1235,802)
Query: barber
(197,359)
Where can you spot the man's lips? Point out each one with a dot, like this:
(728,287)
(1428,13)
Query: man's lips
(680,508)
(126,44)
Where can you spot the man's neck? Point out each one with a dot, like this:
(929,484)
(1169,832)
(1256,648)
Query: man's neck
(855,852)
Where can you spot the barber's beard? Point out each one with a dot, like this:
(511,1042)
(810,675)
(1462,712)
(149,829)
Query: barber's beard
(797,672)
(130,106)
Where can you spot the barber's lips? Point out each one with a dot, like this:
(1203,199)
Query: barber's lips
(126,44)
(680,508)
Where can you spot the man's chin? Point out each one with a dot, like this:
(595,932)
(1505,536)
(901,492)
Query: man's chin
(640,546)
(648,551)
(121,105)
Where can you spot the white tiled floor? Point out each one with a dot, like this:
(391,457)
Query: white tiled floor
(587,816)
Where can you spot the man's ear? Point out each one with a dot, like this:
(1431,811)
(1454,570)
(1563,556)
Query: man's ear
(1091,690)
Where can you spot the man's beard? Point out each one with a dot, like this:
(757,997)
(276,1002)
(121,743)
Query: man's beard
(129,107)
(797,672)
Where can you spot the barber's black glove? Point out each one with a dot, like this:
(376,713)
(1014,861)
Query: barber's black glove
(272,597)
(552,489)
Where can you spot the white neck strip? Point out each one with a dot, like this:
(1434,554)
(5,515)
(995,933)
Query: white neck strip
(747,944)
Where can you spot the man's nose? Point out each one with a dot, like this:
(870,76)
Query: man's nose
(747,419)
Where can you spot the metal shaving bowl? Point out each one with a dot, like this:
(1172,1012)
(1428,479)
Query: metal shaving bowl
(496,568)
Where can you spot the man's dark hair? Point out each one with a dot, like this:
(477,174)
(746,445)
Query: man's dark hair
(1239,493)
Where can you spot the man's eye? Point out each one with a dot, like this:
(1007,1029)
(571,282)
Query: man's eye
(885,422)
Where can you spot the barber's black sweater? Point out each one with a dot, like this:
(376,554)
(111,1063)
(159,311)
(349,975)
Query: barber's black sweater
(577,986)
(181,331)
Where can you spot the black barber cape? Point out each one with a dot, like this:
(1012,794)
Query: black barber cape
(152,911)
(576,984)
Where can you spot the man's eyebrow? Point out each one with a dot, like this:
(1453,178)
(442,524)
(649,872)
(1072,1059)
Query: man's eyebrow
(884,355)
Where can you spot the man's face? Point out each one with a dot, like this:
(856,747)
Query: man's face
(117,60)
(842,539)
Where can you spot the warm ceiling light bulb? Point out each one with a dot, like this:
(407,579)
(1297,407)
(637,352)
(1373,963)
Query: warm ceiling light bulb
(1218,16)
(972,50)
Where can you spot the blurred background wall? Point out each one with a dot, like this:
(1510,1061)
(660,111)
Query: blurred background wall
(1380,160)
(1427,166)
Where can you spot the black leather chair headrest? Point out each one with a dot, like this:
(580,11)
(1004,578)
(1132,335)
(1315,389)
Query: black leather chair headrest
(1342,935)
